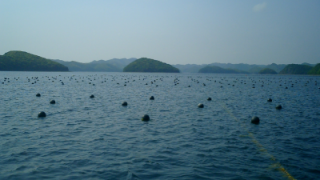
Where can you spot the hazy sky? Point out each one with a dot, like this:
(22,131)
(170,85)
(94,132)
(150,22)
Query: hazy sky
(172,31)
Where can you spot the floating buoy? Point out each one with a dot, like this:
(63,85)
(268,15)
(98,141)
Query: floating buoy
(200,105)
(124,103)
(52,102)
(279,107)
(92,96)
(151,98)
(269,100)
(145,117)
(255,120)
(209,99)
(38,94)
(42,114)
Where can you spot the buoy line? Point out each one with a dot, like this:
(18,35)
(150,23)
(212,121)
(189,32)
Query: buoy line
(276,164)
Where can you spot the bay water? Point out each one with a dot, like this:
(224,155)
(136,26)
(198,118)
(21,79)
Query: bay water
(98,138)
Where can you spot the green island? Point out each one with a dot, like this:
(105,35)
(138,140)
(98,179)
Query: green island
(296,69)
(149,65)
(315,70)
(23,61)
(217,69)
(267,71)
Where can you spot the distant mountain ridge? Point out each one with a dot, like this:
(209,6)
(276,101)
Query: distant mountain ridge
(121,63)
(112,65)
(296,69)
(217,69)
(251,68)
(23,61)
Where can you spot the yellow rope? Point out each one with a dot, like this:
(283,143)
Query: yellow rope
(276,164)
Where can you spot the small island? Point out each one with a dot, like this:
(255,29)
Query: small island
(150,65)
(23,61)
(267,71)
(296,69)
(217,69)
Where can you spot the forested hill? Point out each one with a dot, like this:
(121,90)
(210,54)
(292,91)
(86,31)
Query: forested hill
(23,61)
(149,65)
(315,70)
(296,69)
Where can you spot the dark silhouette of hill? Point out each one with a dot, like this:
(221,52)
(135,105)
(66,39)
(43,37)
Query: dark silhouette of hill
(296,69)
(149,65)
(315,70)
(23,61)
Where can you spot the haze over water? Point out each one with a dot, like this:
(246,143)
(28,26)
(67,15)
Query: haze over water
(97,138)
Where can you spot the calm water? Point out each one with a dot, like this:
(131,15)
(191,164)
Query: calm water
(84,138)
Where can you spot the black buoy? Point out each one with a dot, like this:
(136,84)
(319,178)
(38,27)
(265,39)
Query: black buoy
(92,96)
(38,94)
(42,114)
(209,99)
(151,98)
(269,100)
(124,103)
(255,120)
(200,105)
(145,117)
(52,102)
(279,107)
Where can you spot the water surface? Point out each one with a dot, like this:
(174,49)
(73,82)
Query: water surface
(97,138)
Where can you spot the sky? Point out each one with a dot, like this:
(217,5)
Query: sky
(172,31)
